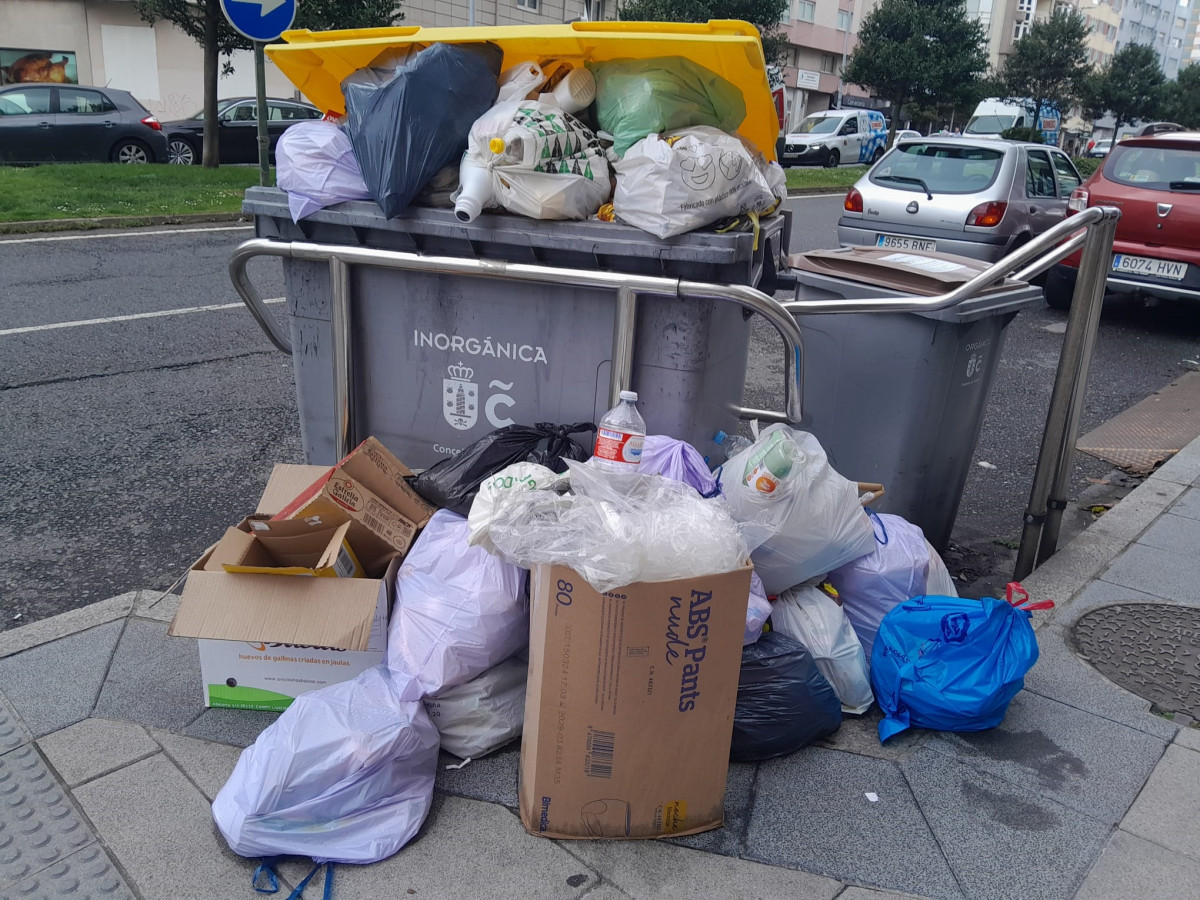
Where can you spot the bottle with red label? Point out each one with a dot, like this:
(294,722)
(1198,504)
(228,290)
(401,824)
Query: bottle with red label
(620,437)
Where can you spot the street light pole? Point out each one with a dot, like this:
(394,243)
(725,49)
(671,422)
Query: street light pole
(845,51)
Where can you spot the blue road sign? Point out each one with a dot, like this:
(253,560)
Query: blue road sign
(260,20)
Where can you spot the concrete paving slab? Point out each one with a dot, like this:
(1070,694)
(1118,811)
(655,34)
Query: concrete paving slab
(1161,572)
(1175,534)
(95,747)
(35,634)
(1136,512)
(55,684)
(1061,675)
(87,874)
(654,870)
(38,824)
(470,849)
(861,893)
(730,839)
(1188,504)
(1165,811)
(206,763)
(1071,569)
(860,734)
(810,812)
(1182,468)
(1103,593)
(1084,762)
(154,679)
(492,778)
(12,733)
(239,727)
(156,605)
(1132,867)
(1188,737)
(1002,840)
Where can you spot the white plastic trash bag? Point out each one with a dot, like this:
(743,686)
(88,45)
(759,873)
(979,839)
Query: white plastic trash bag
(814,618)
(317,168)
(675,183)
(802,518)
(458,610)
(345,774)
(485,713)
(758,610)
(938,583)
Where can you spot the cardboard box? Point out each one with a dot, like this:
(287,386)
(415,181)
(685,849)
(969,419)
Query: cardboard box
(292,547)
(629,707)
(368,489)
(287,482)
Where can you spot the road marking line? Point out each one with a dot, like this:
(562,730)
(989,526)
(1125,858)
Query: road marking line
(150,315)
(141,232)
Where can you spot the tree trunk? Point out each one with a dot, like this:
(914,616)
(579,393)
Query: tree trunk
(897,105)
(212,10)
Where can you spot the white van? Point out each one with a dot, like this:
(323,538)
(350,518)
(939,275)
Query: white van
(992,117)
(836,137)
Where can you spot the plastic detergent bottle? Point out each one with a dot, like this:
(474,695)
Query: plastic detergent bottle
(620,437)
(770,463)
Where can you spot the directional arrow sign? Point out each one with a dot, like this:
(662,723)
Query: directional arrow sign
(260,20)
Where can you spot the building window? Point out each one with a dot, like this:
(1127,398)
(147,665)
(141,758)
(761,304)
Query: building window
(528,4)
(1019,30)
(806,11)
(844,19)
(828,63)
(1176,43)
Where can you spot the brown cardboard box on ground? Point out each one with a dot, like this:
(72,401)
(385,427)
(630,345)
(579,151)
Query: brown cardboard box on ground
(629,707)
(289,547)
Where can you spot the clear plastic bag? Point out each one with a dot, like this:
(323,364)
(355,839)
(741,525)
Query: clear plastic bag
(317,168)
(484,714)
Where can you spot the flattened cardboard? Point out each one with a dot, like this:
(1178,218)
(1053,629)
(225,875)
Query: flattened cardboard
(287,482)
(629,705)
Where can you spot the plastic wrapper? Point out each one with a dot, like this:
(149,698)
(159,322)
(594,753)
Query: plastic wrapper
(950,663)
(903,565)
(677,460)
(317,168)
(637,97)
(688,179)
(617,528)
(417,122)
(452,483)
(458,609)
(758,610)
(345,774)
(783,701)
(814,618)
(517,477)
(484,714)
(807,525)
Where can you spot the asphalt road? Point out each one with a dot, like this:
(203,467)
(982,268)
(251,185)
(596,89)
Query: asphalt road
(132,440)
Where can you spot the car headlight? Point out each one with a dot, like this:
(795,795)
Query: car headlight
(818,145)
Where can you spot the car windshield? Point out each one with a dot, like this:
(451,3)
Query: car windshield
(942,168)
(222,105)
(819,125)
(989,124)
(1155,168)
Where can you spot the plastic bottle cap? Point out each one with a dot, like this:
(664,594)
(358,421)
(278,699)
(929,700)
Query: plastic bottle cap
(629,395)
(496,145)
(719,437)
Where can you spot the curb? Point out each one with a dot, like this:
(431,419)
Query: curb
(805,191)
(38,225)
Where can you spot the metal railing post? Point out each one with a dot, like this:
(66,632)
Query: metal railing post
(339,292)
(624,329)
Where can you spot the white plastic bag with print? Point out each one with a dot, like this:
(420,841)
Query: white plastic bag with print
(519,81)
(517,477)
(485,713)
(675,183)
(345,774)
(458,611)
(814,618)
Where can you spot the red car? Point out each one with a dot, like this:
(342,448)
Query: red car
(1155,182)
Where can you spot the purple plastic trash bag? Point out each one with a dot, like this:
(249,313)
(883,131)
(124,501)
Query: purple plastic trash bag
(679,461)
(317,168)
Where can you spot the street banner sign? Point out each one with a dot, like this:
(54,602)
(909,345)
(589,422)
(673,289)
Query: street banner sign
(260,20)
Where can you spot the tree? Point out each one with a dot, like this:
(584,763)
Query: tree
(1129,88)
(765,15)
(922,51)
(1049,65)
(1181,98)
(203,21)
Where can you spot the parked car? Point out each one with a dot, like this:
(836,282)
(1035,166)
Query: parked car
(44,123)
(906,134)
(1157,128)
(1099,150)
(1155,182)
(237,118)
(976,197)
(835,137)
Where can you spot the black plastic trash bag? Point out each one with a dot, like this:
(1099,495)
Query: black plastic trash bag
(453,483)
(783,701)
(417,122)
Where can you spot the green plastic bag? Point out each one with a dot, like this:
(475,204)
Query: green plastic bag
(637,97)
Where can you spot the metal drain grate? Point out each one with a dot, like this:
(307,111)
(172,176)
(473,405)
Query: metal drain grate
(1151,649)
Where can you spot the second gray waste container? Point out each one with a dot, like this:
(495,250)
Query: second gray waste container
(899,398)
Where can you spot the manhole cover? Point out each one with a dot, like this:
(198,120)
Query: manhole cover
(1151,649)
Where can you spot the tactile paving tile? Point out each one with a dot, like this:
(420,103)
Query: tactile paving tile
(86,875)
(38,825)
(1151,431)
(12,732)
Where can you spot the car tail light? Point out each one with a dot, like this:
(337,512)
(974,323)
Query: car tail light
(854,201)
(152,122)
(987,215)
(1078,201)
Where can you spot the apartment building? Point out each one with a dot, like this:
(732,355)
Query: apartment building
(1191,40)
(1161,24)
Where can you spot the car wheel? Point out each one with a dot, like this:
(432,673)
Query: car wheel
(1059,289)
(877,155)
(130,153)
(833,160)
(180,152)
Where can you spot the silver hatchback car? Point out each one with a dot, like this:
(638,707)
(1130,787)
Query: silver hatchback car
(974,197)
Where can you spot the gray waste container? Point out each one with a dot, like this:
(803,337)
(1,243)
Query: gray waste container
(899,398)
(439,361)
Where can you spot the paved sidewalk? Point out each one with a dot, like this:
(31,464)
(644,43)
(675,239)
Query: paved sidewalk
(108,764)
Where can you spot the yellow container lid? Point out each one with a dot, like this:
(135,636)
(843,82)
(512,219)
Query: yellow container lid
(316,62)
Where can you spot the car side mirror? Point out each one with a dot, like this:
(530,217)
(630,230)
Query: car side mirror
(223,119)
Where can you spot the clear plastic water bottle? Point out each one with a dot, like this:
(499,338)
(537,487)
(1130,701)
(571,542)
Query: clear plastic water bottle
(620,437)
(731,444)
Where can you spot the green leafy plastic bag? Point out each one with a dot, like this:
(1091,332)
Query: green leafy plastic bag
(637,97)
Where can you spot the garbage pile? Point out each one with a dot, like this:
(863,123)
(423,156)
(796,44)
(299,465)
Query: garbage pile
(651,143)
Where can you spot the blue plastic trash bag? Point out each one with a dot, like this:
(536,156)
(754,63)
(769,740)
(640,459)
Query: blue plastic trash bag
(950,663)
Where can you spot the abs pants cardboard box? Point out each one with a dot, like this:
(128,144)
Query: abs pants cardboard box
(629,707)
